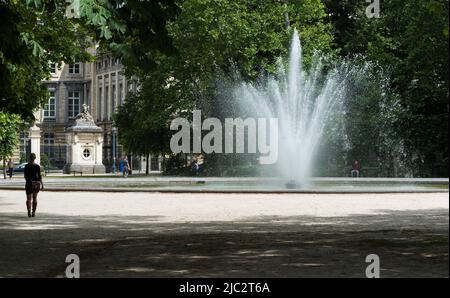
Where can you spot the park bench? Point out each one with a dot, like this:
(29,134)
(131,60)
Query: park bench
(77,172)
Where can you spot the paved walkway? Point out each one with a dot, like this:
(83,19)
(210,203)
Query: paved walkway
(224,235)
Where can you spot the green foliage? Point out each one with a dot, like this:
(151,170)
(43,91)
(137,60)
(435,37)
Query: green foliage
(139,133)
(207,39)
(23,158)
(33,34)
(9,124)
(45,161)
(180,51)
(373,113)
(145,36)
(247,36)
(411,40)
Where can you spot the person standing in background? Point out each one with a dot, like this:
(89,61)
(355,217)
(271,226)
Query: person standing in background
(355,169)
(10,168)
(126,167)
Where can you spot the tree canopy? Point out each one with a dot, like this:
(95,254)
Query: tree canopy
(210,37)
(180,50)
(410,40)
(33,34)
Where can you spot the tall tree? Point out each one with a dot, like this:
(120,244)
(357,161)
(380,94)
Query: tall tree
(32,35)
(9,124)
(411,40)
(36,32)
(209,38)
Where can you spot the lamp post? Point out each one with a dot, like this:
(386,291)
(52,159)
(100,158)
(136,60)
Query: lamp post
(114,149)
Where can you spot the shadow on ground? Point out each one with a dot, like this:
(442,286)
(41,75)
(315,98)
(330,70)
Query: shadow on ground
(410,244)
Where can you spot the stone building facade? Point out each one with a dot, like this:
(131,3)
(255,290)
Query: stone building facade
(101,85)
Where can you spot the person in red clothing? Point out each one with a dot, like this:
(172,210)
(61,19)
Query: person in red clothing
(355,169)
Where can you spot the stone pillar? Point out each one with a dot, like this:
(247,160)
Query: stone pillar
(107,98)
(35,138)
(111,97)
(92,91)
(97,98)
(98,151)
(61,113)
(84,100)
(125,87)
(116,96)
(102,99)
(120,90)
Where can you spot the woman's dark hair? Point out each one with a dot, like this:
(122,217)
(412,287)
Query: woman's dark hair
(32,156)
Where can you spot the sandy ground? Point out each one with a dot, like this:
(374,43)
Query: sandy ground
(224,235)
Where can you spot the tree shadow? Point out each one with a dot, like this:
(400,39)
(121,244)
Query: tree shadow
(409,243)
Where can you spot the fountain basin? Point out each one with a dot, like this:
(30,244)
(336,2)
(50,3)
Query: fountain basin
(238,184)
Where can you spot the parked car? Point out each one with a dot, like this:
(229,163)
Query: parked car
(20,168)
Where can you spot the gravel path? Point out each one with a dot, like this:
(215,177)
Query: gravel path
(224,235)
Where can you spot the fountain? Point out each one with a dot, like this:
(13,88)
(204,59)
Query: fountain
(305,103)
(312,105)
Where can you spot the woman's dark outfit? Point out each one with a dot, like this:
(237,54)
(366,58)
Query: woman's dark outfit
(32,173)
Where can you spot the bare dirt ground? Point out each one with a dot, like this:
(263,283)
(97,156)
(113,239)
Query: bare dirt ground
(224,235)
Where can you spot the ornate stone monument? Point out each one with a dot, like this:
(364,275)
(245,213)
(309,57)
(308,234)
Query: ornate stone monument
(85,143)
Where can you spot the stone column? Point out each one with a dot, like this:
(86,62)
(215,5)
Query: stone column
(85,100)
(125,87)
(61,114)
(96,98)
(116,96)
(110,99)
(111,96)
(102,99)
(99,151)
(92,92)
(35,137)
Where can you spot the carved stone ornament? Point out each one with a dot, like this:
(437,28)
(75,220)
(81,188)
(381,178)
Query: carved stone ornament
(84,121)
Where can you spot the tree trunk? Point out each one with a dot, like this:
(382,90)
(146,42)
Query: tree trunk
(4,168)
(130,161)
(147,164)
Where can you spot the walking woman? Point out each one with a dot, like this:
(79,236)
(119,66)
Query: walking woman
(33,183)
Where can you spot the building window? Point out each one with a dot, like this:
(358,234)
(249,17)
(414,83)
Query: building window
(74,103)
(52,68)
(50,106)
(24,144)
(86,153)
(49,144)
(74,68)
(88,98)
